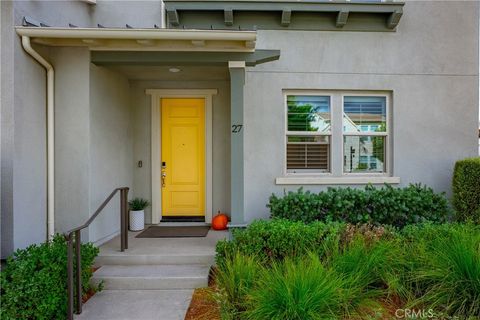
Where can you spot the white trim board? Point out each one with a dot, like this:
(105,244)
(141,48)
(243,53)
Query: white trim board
(349,180)
(157,95)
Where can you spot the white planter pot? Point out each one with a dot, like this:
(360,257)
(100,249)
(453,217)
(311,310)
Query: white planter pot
(137,220)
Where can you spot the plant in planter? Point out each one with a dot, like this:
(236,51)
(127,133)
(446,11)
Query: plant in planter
(137,213)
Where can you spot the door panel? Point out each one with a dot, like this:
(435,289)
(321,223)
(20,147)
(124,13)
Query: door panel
(183,153)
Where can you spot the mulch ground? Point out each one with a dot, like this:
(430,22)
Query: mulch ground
(90,292)
(203,305)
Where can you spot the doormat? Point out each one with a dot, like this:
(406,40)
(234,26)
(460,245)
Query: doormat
(174,232)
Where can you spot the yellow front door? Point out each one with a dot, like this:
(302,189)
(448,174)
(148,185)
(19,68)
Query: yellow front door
(183,157)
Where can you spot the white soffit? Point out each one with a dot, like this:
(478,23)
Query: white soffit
(108,39)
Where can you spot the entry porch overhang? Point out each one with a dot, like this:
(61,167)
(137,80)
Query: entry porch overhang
(128,39)
(234,50)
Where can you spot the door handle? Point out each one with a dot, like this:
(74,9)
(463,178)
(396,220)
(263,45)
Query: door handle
(164,176)
(164,173)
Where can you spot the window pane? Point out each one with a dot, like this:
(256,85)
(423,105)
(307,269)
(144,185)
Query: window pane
(364,114)
(308,153)
(308,113)
(364,154)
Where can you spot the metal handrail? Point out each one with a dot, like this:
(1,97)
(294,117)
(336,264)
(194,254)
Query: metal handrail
(74,235)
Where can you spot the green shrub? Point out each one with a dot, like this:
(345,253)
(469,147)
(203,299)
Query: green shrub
(387,205)
(277,239)
(34,281)
(370,268)
(297,290)
(466,189)
(445,270)
(235,279)
(422,266)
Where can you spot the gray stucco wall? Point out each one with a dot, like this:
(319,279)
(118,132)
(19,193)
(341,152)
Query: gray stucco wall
(23,146)
(430,64)
(141,108)
(111,147)
(72,132)
(6,127)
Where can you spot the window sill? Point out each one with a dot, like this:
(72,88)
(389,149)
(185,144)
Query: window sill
(336,180)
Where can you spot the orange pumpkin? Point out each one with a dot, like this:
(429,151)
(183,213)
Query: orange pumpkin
(220,221)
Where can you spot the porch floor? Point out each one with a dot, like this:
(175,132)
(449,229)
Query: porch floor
(161,250)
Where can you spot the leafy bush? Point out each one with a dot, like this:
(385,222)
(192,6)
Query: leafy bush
(34,280)
(387,205)
(466,189)
(138,204)
(374,270)
(277,239)
(297,290)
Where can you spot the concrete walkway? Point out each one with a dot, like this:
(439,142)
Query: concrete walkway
(138,305)
(153,279)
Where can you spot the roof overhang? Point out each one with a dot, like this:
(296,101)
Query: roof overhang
(135,58)
(116,39)
(284,13)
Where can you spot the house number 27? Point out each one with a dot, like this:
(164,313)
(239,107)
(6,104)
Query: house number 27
(236,128)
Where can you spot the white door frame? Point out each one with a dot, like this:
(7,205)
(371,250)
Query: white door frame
(156,140)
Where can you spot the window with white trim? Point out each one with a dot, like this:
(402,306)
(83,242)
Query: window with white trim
(308,133)
(364,133)
(351,127)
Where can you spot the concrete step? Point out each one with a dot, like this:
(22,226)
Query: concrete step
(154,259)
(152,277)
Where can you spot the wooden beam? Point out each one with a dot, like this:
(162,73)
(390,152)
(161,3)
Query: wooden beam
(172,15)
(394,19)
(342,18)
(228,16)
(286,17)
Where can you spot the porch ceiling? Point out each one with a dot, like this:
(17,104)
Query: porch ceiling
(162,73)
(117,39)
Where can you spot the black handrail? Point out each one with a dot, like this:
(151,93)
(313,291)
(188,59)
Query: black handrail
(75,234)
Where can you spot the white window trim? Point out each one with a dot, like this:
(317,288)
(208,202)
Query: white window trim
(337,174)
(156,95)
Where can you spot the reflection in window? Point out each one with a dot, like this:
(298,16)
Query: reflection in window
(308,133)
(364,154)
(308,113)
(364,114)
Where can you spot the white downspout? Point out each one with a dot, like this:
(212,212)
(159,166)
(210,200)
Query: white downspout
(50,135)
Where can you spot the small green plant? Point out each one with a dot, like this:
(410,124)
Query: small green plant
(387,205)
(370,272)
(138,204)
(297,290)
(466,189)
(34,281)
(236,278)
(446,272)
